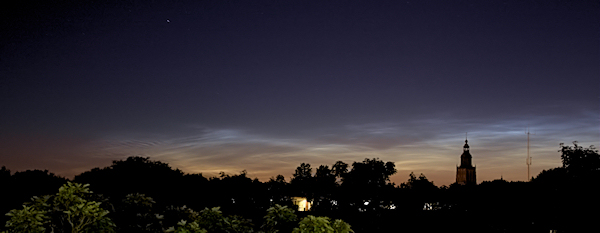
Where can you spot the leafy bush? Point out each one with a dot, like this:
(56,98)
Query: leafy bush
(278,218)
(312,224)
(339,226)
(29,219)
(136,214)
(210,220)
(185,227)
(67,211)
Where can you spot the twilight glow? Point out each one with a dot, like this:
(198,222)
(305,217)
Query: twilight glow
(217,86)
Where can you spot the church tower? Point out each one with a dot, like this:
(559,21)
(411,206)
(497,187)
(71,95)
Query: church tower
(465,173)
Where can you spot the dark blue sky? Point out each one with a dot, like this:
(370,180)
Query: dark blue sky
(213,86)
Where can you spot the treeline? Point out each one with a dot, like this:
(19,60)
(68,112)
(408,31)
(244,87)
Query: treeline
(360,194)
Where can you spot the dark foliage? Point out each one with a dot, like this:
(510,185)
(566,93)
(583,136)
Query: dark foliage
(149,196)
(135,175)
(302,183)
(364,188)
(579,161)
(21,186)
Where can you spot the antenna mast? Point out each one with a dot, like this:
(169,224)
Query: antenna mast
(528,159)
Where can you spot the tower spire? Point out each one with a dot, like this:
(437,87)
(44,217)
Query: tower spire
(466,146)
(528,159)
(465,173)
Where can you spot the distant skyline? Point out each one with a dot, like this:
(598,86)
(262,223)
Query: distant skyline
(211,86)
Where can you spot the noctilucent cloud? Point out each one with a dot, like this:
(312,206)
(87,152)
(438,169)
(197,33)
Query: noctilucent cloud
(211,86)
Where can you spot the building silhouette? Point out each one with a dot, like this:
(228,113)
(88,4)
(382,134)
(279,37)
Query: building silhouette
(465,173)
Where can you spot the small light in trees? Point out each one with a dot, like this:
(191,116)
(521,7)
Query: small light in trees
(432,206)
(302,203)
(427,206)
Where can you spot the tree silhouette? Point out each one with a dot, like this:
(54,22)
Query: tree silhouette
(136,175)
(552,177)
(21,186)
(419,191)
(579,161)
(303,181)
(239,194)
(324,186)
(340,169)
(422,183)
(4,174)
(6,181)
(366,185)
(557,198)
(569,192)
(371,173)
(277,189)
(303,172)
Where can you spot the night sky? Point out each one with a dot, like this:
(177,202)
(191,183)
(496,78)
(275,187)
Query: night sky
(262,86)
